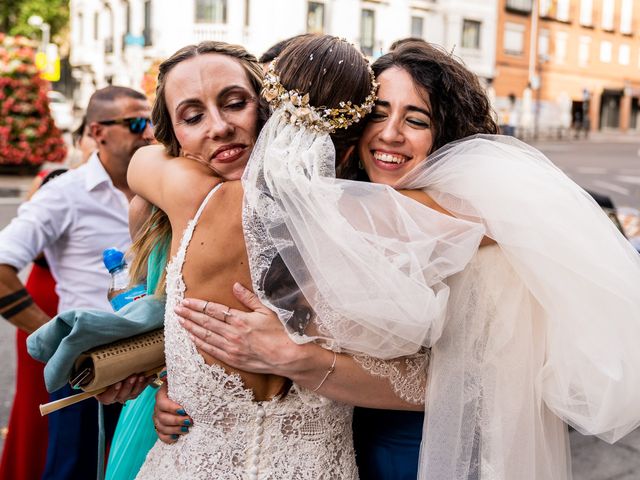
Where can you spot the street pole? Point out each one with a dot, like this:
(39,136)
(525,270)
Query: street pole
(533,41)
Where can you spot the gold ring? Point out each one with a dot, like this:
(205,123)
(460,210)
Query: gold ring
(205,307)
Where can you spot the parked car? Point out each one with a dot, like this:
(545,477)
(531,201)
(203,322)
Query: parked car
(61,110)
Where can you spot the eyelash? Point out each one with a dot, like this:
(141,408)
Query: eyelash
(239,105)
(380,116)
(193,120)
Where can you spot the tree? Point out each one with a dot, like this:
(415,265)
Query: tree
(15,13)
(28,135)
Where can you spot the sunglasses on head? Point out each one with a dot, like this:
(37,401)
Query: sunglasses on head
(135,124)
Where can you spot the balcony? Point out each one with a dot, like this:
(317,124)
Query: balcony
(211,31)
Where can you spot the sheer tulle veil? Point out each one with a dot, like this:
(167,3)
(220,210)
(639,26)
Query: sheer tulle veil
(540,329)
(543,330)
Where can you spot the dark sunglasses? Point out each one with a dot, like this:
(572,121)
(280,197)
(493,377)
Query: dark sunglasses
(135,124)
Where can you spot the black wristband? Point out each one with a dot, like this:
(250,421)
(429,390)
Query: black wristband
(13,297)
(13,311)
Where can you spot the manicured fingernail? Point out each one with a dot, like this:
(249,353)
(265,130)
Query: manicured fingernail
(175,436)
(163,374)
(185,303)
(118,386)
(187,422)
(132,381)
(237,287)
(179,310)
(184,429)
(181,412)
(181,320)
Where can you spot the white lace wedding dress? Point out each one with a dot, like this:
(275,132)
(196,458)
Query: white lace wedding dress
(302,436)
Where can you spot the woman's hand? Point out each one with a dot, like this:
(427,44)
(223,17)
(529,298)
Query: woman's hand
(169,418)
(127,389)
(253,341)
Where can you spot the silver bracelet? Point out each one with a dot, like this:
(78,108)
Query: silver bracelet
(329,372)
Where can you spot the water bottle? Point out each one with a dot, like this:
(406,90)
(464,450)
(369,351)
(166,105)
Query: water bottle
(120,292)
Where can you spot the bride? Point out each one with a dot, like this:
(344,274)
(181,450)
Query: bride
(255,425)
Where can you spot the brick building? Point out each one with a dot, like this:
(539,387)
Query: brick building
(580,58)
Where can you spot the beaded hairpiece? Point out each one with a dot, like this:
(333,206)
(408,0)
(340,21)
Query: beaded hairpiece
(322,119)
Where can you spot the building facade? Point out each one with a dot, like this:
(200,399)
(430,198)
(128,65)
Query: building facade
(568,63)
(116,41)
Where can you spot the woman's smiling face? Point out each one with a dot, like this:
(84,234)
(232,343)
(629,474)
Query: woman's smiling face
(214,112)
(398,134)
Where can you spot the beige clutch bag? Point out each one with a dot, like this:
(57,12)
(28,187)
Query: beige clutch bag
(108,364)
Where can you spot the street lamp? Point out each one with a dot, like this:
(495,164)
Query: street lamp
(45,28)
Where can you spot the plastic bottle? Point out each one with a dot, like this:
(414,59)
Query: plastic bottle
(120,292)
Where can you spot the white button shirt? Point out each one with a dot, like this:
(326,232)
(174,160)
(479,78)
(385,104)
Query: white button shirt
(72,219)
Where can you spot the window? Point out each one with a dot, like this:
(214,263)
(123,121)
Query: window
(544,8)
(513,38)
(624,54)
(146,33)
(108,41)
(584,50)
(522,6)
(562,10)
(626,14)
(561,47)
(367,31)
(607,14)
(543,44)
(586,12)
(211,11)
(315,17)
(128,18)
(80,27)
(417,27)
(471,34)
(606,50)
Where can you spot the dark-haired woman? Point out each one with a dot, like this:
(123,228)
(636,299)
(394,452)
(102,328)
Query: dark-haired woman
(539,327)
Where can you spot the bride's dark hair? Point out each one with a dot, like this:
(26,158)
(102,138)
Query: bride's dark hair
(331,70)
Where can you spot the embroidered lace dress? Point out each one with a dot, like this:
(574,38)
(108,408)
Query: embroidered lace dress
(302,436)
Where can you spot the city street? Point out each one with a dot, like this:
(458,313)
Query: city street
(606,164)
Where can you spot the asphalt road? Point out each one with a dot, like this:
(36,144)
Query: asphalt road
(610,167)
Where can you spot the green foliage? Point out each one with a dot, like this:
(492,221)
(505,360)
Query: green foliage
(15,13)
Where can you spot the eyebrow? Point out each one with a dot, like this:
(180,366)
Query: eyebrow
(223,92)
(410,108)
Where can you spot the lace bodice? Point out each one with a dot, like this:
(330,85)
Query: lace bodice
(300,436)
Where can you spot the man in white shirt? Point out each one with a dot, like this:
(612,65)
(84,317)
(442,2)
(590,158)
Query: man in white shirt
(72,219)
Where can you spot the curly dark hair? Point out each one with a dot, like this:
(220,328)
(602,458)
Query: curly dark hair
(459,104)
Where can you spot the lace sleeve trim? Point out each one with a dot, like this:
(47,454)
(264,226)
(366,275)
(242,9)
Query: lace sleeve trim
(407,375)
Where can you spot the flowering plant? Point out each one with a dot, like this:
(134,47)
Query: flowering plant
(28,134)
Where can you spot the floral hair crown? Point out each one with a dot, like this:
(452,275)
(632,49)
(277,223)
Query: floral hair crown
(322,119)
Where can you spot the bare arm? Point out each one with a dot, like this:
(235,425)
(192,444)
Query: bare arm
(27,319)
(425,199)
(256,341)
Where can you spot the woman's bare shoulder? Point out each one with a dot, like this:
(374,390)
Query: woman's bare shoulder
(424,198)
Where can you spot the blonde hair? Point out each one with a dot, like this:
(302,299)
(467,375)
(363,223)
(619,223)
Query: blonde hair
(157,229)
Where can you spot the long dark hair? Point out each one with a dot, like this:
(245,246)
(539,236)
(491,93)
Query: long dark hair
(459,104)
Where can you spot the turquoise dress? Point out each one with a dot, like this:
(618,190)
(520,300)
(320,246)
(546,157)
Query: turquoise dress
(135,435)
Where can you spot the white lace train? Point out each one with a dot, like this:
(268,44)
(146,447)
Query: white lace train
(300,437)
